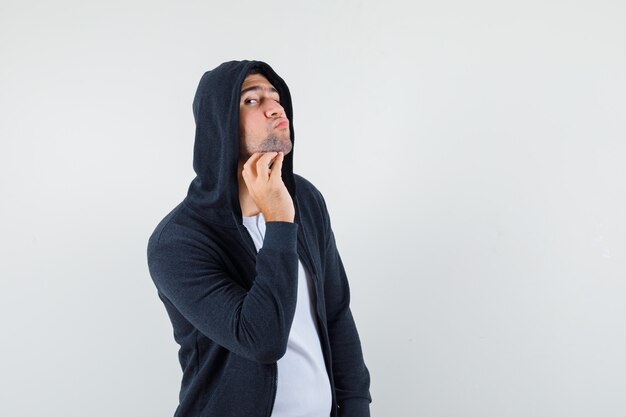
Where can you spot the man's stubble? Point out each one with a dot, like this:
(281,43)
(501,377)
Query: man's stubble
(272,143)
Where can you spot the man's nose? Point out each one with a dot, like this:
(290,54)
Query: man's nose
(274,109)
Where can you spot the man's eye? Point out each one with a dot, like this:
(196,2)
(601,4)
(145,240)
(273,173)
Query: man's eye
(250,100)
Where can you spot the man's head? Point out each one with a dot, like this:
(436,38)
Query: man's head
(263,124)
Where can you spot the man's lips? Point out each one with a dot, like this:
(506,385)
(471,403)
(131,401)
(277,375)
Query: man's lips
(282,122)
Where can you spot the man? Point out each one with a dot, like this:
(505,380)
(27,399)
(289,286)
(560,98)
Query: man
(248,270)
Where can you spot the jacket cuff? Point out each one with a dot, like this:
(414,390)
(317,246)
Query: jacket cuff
(281,236)
(354,407)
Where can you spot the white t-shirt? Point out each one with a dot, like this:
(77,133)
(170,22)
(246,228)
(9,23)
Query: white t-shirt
(303,386)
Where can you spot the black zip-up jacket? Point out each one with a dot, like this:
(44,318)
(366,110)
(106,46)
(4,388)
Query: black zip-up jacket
(232,308)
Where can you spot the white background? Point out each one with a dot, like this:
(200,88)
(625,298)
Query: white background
(472,156)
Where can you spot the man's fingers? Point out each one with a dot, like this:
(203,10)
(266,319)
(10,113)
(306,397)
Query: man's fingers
(263,163)
(250,165)
(278,165)
(258,165)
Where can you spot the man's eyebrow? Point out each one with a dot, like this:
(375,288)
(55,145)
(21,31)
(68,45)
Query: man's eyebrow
(258,87)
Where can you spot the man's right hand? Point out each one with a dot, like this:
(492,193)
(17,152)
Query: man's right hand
(266,186)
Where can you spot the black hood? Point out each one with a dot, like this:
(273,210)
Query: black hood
(214,192)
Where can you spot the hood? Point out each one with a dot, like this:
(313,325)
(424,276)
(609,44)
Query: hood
(214,192)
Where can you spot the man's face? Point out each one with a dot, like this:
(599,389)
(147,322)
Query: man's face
(263,124)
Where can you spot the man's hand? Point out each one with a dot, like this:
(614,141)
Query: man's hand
(266,187)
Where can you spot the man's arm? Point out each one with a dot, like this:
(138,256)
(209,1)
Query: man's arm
(255,323)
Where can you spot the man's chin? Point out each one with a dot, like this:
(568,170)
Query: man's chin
(245,156)
(277,148)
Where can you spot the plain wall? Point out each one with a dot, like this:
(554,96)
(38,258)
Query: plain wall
(472,155)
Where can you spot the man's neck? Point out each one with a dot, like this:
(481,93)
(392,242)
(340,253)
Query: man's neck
(248,206)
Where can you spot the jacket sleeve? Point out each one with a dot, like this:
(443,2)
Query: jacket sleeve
(351,376)
(253,323)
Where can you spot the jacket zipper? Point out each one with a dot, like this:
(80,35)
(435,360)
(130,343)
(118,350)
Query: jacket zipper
(326,347)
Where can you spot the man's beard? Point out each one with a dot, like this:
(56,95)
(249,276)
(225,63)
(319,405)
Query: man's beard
(272,143)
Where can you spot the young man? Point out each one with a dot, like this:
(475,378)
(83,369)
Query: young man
(248,270)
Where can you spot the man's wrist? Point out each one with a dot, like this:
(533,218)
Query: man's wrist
(278,218)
